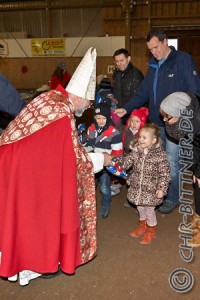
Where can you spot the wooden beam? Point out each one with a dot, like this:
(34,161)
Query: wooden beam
(172,1)
(58,4)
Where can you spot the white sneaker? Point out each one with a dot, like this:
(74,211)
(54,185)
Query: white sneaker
(115,186)
(13,278)
(115,192)
(27,275)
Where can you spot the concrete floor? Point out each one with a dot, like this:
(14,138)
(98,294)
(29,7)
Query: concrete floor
(123,269)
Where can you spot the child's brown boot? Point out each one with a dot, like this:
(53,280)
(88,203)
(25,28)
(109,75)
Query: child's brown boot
(149,235)
(195,241)
(140,230)
(194,221)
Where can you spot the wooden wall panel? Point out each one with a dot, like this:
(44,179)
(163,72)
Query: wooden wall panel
(175,9)
(113,21)
(114,28)
(140,54)
(157,10)
(39,70)
(112,12)
(140,11)
(191,44)
(139,28)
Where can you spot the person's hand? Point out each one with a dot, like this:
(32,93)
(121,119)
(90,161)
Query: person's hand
(195,179)
(120,112)
(159,194)
(107,159)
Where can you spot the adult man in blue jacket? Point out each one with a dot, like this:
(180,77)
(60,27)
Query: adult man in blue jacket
(169,71)
(10,101)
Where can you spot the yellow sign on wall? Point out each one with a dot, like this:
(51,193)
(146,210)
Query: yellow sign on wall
(48,47)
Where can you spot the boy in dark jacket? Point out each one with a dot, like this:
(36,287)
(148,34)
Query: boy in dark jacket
(102,136)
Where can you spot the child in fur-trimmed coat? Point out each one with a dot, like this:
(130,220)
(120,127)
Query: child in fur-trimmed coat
(136,121)
(149,180)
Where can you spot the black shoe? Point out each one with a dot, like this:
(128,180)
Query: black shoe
(104,212)
(51,275)
(127,204)
(167,207)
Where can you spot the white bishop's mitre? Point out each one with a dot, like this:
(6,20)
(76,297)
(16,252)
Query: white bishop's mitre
(83,81)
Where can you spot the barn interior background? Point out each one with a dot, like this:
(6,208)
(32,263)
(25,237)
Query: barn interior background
(24,22)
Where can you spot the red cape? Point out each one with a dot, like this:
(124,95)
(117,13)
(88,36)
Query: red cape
(47,210)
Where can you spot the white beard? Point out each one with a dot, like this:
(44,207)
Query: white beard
(79,112)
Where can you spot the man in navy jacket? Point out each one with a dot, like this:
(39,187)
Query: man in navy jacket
(169,71)
(10,101)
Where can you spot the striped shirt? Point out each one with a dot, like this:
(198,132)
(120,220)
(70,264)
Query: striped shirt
(109,140)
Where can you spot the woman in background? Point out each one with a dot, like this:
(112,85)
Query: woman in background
(60,76)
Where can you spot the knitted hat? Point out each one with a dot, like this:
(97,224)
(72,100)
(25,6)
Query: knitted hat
(102,109)
(83,81)
(142,113)
(174,103)
(62,65)
(105,84)
(99,78)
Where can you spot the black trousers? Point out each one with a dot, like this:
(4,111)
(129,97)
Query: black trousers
(197,198)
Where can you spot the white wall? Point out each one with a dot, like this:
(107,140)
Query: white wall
(74,47)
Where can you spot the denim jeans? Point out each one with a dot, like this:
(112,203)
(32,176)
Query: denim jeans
(172,151)
(103,178)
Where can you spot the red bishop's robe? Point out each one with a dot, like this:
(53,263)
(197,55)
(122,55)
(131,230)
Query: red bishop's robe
(47,191)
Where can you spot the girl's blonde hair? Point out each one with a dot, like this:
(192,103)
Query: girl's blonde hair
(154,129)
